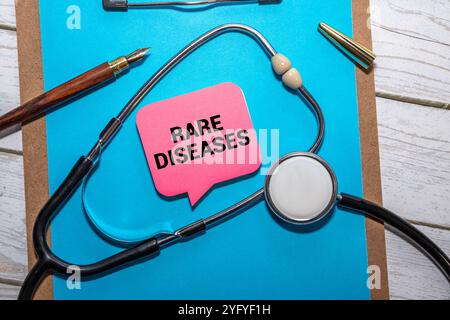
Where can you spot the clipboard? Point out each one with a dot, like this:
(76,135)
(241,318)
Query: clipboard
(35,148)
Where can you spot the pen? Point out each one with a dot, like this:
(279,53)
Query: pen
(361,55)
(34,108)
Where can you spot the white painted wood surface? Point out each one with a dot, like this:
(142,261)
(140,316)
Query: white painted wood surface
(412,39)
(411,273)
(7,13)
(12,218)
(8,292)
(412,42)
(415,160)
(9,86)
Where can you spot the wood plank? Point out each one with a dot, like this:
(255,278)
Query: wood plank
(411,274)
(8,292)
(412,41)
(13,259)
(7,12)
(9,87)
(415,161)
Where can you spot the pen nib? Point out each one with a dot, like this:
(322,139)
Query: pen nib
(137,55)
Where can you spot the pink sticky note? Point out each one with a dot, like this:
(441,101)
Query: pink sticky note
(199,139)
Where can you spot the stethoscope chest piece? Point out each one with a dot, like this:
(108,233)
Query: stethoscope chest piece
(301,188)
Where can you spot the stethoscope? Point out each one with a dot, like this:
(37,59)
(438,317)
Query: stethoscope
(300,189)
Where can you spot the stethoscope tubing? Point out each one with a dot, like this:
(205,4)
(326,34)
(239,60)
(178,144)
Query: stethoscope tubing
(383,215)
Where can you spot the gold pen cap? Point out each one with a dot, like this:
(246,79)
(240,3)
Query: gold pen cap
(363,56)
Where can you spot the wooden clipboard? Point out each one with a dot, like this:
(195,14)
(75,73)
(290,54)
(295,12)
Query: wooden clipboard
(35,148)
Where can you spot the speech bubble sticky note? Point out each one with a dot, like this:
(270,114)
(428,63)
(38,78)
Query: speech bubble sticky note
(197,140)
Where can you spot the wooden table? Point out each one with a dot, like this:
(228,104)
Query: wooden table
(412,40)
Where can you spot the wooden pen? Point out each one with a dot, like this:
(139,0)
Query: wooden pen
(36,107)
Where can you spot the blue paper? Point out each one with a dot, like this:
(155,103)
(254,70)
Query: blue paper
(251,256)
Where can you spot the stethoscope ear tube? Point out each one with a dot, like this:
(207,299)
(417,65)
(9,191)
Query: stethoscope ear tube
(379,213)
(59,197)
(45,259)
